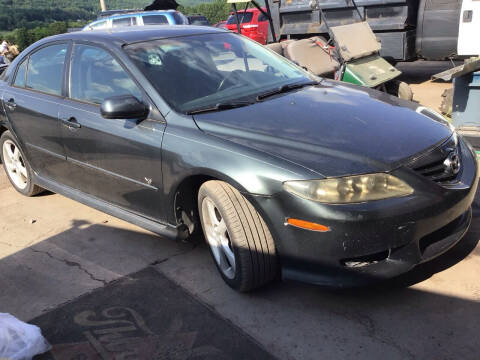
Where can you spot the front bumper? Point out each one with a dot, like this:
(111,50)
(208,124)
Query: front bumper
(372,241)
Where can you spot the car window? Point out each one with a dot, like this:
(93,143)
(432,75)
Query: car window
(20,77)
(155,20)
(243,17)
(45,69)
(199,20)
(262,17)
(99,25)
(122,22)
(179,18)
(96,75)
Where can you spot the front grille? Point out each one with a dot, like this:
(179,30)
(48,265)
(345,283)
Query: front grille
(436,172)
(440,164)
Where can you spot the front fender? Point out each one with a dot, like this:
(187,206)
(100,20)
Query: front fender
(187,151)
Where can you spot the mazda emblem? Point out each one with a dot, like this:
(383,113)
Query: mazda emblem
(452,163)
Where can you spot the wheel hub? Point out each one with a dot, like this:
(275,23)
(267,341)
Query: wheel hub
(15,165)
(218,238)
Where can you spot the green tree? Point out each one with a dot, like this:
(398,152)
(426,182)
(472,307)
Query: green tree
(215,11)
(22,38)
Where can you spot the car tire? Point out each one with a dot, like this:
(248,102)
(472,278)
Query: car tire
(16,166)
(400,89)
(242,247)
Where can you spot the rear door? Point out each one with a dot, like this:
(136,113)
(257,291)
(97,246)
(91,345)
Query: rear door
(118,161)
(32,102)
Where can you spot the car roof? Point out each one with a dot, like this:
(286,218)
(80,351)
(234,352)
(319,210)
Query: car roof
(137,13)
(132,34)
(107,13)
(249,10)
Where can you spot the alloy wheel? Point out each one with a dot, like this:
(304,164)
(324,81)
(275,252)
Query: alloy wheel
(15,165)
(218,238)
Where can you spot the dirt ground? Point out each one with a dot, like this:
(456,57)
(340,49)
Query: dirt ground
(418,75)
(67,268)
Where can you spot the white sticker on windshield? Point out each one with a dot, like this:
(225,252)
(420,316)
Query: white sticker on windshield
(154,59)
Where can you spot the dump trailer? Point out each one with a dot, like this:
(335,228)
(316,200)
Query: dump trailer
(407,29)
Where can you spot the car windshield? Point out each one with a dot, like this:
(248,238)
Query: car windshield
(243,17)
(198,71)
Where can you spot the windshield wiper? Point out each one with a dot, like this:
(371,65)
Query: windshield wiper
(285,88)
(220,106)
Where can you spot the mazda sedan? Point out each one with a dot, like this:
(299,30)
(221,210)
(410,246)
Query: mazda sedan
(188,129)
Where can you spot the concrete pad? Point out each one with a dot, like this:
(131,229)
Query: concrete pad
(435,318)
(53,250)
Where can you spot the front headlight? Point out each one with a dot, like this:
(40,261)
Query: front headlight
(350,189)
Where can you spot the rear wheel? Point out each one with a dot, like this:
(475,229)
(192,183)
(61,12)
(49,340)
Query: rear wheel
(16,166)
(239,239)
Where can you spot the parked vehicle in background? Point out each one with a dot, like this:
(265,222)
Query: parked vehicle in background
(180,129)
(407,29)
(253,24)
(198,19)
(221,24)
(140,18)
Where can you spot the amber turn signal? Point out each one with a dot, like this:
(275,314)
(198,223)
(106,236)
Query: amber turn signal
(307,225)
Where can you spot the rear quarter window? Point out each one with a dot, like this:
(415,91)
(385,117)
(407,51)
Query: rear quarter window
(20,77)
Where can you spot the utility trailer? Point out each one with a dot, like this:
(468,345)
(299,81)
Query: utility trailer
(407,29)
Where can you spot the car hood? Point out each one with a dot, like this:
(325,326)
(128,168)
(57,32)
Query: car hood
(331,129)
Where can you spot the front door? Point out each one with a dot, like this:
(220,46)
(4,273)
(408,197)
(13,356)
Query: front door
(32,103)
(118,161)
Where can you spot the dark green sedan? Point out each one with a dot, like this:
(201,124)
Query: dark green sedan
(185,129)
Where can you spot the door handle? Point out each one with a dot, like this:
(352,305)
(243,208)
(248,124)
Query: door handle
(11,105)
(71,123)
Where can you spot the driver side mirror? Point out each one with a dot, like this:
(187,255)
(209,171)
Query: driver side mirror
(124,107)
